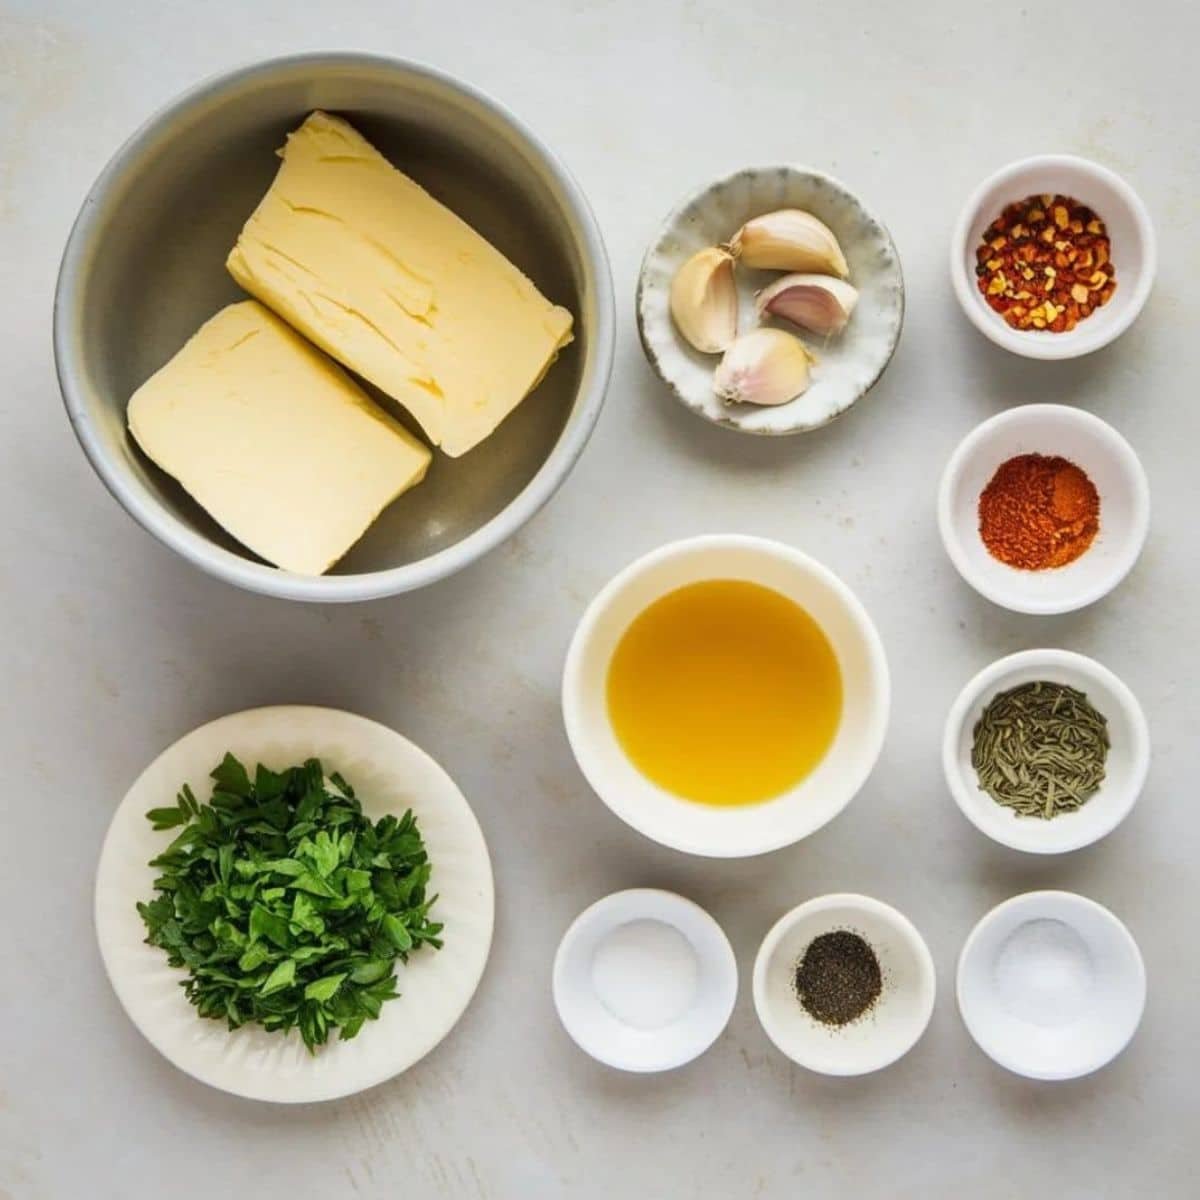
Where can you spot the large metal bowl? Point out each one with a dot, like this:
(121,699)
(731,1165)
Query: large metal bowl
(144,267)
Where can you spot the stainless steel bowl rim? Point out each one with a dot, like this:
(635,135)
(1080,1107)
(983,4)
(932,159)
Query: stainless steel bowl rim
(267,580)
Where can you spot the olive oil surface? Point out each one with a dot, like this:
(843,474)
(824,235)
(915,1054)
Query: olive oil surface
(724,692)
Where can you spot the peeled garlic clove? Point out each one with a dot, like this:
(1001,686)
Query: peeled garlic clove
(818,303)
(789,240)
(704,300)
(764,366)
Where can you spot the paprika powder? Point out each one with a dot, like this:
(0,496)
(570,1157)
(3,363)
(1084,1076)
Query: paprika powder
(1038,512)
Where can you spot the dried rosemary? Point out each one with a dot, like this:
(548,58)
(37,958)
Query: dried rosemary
(1040,749)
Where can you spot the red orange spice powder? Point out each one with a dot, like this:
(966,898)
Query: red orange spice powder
(1038,512)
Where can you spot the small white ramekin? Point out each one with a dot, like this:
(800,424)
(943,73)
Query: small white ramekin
(1054,1049)
(1134,251)
(881,1036)
(604,1035)
(1125,768)
(1096,448)
(733,831)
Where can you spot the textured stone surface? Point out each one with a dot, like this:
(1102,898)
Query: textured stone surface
(112,647)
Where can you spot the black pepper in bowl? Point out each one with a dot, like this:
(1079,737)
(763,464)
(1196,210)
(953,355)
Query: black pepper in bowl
(838,978)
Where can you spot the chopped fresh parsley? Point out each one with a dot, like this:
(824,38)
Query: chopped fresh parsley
(285,904)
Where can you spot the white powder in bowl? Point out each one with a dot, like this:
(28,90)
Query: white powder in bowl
(645,974)
(1044,974)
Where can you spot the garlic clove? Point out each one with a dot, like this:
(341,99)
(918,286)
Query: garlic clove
(764,366)
(818,303)
(789,240)
(704,300)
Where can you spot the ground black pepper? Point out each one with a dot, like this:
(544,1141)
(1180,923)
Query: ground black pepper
(838,978)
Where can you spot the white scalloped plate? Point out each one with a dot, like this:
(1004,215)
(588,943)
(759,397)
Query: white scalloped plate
(389,774)
(847,366)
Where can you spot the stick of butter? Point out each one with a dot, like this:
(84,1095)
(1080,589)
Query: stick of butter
(274,440)
(369,266)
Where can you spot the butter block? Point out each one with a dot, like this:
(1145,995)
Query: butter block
(274,440)
(369,266)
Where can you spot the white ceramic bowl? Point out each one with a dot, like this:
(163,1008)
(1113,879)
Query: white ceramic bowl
(1094,446)
(889,1029)
(1134,251)
(741,830)
(390,775)
(1027,1029)
(848,365)
(603,1034)
(1125,768)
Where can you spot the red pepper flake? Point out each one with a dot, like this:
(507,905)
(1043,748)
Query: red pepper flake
(1045,263)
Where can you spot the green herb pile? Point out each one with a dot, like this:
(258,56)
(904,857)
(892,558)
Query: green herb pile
(287,906)
(1040,749)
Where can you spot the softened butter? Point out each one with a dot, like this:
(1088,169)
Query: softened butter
(275,441)
(369,266)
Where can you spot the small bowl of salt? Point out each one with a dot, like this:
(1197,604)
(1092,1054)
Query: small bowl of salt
(1051,985)
(644,980)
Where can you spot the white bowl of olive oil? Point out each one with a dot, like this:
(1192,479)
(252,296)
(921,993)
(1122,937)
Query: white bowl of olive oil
(726,695)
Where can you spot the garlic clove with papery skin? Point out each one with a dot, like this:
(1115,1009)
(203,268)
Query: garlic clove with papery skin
(704,300)
(764,366)
(789,240)
(818,303)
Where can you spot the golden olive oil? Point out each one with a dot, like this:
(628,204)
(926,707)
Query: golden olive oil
(724,692)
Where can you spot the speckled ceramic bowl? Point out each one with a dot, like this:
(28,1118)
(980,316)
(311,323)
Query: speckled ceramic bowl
(848,365)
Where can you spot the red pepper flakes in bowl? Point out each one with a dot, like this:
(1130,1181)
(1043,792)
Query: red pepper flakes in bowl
(1045,263)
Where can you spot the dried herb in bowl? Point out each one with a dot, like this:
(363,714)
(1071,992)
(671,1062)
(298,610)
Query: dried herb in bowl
(1040,749)
(285,904)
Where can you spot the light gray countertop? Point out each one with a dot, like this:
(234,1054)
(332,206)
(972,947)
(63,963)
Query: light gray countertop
(112,647)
